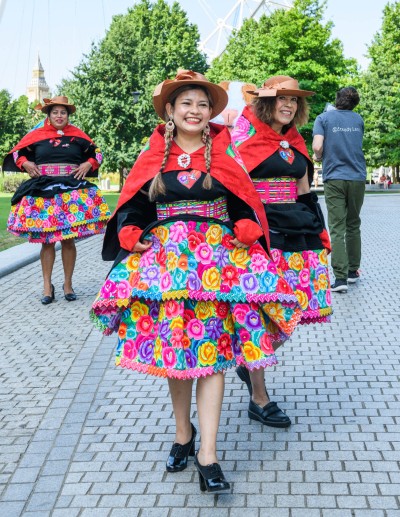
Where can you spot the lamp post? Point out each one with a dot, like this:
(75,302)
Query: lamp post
(136,96)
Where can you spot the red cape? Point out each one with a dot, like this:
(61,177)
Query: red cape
(225,167)
(45,132)
(262,141)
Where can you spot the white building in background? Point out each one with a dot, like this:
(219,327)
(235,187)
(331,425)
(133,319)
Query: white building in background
(37,89)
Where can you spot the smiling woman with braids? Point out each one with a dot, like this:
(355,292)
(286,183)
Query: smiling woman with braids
(191,292)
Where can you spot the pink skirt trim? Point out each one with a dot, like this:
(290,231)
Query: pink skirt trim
(194,373)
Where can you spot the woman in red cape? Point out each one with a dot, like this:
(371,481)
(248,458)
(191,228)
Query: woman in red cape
(191,292)
(57,203)
(277,160)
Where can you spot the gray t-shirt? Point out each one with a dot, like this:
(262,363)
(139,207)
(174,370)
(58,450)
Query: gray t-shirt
(342,157)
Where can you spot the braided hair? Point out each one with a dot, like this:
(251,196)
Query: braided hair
(157,186)
(207,182)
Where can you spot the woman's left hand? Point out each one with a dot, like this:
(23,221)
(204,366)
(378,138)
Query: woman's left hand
(140,247)
(238,244)
(81,171)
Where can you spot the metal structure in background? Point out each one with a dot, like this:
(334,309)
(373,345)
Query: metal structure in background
(2,7)
(214,44)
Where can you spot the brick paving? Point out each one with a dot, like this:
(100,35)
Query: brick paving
(79,437)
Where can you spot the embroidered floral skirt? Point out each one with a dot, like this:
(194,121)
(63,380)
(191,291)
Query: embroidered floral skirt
(70,215)
(194,304)
(307,274)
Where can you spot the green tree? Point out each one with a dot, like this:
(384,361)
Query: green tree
(14,121)
(141,49)
(381,93)
(291,42)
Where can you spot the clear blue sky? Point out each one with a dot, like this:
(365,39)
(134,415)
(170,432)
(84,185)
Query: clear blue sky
(62,31)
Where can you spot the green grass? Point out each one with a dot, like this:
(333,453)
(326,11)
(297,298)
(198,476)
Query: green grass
(7,240)
(111,198)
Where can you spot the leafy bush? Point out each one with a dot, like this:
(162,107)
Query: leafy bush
(10,182)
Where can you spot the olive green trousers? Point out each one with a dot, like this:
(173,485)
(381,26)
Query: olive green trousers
(344,200)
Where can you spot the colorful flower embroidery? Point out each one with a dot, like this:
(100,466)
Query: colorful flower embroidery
(242,131)
(196,304)
(307,275)
(77,214)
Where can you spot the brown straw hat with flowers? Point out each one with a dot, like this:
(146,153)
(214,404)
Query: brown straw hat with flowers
(60,100)
(163,91)
(280,85)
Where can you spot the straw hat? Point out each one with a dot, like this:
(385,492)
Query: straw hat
(163,91)
(60,100)
(280,85)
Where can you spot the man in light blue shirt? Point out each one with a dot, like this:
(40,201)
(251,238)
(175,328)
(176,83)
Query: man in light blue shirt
(337,142)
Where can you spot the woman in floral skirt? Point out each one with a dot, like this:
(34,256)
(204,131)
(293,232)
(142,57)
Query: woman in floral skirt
(277,160)
(191,292)
(57,203)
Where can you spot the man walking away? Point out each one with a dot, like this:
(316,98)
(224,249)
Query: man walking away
(337,142)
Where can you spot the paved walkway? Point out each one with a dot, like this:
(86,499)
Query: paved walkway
(79,437)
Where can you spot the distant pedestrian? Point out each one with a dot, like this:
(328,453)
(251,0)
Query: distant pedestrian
(337,142)
(387,182)
(57,203)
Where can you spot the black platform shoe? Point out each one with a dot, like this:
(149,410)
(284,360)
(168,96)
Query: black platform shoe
(48,299)
(271,414)
(211,477)
(178,457)
(70,297)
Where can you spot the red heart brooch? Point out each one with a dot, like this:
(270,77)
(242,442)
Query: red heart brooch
(287,155)
(188,178)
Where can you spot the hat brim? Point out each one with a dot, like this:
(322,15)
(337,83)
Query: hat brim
(71,108)
(263,92)
(164,91)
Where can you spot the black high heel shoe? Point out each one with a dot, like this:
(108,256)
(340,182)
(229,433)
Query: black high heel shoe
(178,457)
(48,299)
(70,297)
(211,477)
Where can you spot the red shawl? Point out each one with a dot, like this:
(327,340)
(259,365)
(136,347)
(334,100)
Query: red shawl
(45,132)
(256,146)
(225,168)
